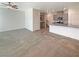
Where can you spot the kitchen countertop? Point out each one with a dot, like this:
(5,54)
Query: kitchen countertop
(65,25)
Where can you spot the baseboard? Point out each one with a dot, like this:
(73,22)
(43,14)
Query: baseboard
(28,28)
(3,30)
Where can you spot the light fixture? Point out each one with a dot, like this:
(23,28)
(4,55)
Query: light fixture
(64,9)
(11,5)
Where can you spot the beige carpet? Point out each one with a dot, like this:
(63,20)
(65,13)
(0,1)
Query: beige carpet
(22,42)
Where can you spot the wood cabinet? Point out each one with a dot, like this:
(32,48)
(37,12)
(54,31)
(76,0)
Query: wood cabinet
(42,20)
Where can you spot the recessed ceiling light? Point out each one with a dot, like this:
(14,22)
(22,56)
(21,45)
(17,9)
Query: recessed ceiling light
(64,8)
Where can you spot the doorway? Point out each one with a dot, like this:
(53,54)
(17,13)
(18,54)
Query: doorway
(43,22)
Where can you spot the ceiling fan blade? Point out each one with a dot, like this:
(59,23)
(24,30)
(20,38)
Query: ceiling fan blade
(15,6)
(10,5)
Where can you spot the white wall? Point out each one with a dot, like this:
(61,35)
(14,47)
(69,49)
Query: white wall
(73,17)
(32,19)
(29,19)
(11,19)
(16,19)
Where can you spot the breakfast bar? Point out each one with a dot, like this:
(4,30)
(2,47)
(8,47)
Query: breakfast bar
(68,31)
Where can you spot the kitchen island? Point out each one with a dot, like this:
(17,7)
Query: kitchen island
(68,31)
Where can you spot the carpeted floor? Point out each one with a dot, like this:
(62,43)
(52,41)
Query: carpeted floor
(23,43)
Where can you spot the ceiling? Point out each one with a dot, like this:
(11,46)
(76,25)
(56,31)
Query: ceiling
(46,5)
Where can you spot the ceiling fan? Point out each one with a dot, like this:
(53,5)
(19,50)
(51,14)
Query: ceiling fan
(10,5)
